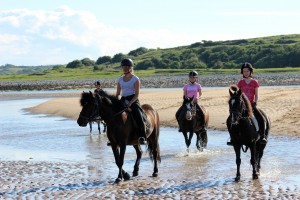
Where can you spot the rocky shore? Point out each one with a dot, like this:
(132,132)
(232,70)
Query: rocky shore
(149,82)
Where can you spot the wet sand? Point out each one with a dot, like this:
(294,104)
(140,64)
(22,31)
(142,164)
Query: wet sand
(281,104)
(58,180)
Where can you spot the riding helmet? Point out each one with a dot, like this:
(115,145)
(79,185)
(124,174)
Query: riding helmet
(247,65)
(97,83)
(193,73)
(127,62)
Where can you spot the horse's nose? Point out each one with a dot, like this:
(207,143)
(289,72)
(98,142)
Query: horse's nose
(81,122)
(188,115)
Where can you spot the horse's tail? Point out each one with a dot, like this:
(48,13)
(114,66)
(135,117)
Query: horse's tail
(151,146)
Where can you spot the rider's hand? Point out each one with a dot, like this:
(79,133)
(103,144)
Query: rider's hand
(254,104)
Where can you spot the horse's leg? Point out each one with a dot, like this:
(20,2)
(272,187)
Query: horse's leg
(99,130)
(259,154)
(199,142)
(90,123)
(253,161)
(237,149)
(203,136)
(186,139)
(154,147)
(104,125)
(139,152)
(119,158)
(190,138)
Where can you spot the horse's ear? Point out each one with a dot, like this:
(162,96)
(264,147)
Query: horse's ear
(239,92)
(231,93)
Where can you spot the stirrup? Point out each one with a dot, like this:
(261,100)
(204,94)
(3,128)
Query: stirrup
(108,143)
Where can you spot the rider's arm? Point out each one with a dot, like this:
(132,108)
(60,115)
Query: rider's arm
(256,95)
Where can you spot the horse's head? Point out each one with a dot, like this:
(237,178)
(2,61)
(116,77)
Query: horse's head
(190,108)
(239,105)
(90,108)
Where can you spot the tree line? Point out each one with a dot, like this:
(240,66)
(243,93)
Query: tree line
(267,52)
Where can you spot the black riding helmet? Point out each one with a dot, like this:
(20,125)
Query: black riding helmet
(127,62)
(193,73)
(247,65)
(97,83)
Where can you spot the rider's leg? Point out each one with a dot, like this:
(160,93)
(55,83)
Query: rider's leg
(262,128)
(254,120)
(138,115)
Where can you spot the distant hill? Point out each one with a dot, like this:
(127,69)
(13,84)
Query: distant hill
(264,52)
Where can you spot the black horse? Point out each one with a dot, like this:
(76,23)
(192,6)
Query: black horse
(97,120)
(243,132)
(190,119)
(121,129)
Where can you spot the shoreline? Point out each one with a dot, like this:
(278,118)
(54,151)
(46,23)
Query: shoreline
(176,81)
(281,104)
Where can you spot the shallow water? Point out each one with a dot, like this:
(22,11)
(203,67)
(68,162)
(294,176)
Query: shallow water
(25,136)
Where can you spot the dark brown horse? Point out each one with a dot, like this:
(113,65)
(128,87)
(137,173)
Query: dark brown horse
(191,122)
(121,129)
(243,132)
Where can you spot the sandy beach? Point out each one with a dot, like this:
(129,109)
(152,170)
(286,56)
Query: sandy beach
(282,104)
(60,180)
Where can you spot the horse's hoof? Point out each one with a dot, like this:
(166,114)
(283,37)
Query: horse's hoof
(237,179)
(126,176)
(135,174)
(118,180)
(255,176)
(155,174)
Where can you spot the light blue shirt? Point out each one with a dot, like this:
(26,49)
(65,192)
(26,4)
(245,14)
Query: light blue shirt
(127,87)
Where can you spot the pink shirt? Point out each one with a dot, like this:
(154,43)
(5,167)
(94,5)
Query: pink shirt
(248,89)
(192,90)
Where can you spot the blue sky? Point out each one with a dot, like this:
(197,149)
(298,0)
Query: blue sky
(42,32)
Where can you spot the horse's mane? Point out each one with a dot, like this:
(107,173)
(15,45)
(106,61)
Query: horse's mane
(245,99)
(114,100)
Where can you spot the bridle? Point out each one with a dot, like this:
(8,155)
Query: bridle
(95,114)
(238,113)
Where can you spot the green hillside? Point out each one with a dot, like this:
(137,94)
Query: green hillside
(267,54)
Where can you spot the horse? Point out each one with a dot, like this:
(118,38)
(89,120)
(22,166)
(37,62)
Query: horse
(191,122)
(243,132)
(121,129)
(98,121)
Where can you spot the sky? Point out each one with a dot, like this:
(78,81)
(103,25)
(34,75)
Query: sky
(49,32)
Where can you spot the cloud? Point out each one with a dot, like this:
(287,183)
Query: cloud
(33,37)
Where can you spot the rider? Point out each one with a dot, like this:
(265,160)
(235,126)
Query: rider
(98,89)
(192,90)
(249,87)
(129,85)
